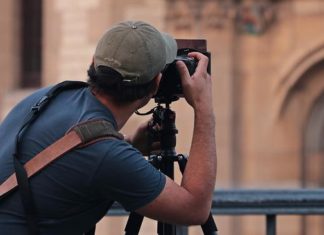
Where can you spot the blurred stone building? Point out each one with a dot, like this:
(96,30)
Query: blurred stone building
(267,66)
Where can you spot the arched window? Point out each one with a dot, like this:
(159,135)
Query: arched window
(313,156)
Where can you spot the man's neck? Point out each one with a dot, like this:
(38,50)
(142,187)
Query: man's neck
(121,113)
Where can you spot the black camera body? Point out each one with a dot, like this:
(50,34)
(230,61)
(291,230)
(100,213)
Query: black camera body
(170,88)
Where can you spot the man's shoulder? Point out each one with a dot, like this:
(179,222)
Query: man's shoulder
(114,146)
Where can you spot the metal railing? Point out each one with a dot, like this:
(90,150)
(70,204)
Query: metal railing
(270,203)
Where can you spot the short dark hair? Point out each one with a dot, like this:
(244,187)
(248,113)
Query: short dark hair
(108,81)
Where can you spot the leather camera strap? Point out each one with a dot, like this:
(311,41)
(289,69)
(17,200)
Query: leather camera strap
(80,135)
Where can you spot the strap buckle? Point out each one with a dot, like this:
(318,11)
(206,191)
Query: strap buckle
(40,104)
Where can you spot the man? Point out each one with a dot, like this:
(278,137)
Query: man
(73,193)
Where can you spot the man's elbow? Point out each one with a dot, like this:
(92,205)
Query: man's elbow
(198,216)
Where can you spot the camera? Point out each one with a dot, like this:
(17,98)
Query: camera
(170,88)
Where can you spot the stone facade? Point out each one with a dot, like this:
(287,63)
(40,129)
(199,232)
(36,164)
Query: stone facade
(268,70)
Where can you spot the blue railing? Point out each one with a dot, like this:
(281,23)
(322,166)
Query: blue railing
(270,203)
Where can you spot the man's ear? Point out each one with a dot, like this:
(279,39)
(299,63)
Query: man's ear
(157,80)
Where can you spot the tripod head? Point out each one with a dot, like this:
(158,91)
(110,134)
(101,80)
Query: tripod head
(163,128)
(164,117)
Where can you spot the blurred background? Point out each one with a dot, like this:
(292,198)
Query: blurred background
(268,82)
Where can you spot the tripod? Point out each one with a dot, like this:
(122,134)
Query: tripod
(165,118)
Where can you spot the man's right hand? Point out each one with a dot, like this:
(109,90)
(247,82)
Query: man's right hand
(197,88)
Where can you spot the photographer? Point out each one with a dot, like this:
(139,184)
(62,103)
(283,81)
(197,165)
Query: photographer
(74,192)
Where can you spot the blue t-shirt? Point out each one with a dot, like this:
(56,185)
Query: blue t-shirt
(74,192)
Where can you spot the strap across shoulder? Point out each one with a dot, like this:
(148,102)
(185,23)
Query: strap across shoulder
(95,129)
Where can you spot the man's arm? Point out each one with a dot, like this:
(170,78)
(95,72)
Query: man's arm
(190,203)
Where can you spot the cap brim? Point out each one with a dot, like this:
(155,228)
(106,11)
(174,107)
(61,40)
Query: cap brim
(170,48)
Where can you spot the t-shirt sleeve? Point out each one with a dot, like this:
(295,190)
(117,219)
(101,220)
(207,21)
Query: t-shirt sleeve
(127,177)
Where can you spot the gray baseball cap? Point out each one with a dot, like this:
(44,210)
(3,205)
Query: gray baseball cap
(136,50)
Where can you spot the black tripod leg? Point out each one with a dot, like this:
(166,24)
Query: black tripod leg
(209,227)
(134,223)
(135,220)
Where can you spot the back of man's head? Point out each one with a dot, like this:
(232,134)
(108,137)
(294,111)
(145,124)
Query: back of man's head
(129,56)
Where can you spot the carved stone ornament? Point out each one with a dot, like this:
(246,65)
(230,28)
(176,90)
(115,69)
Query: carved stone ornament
(255,17)
(252,17)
